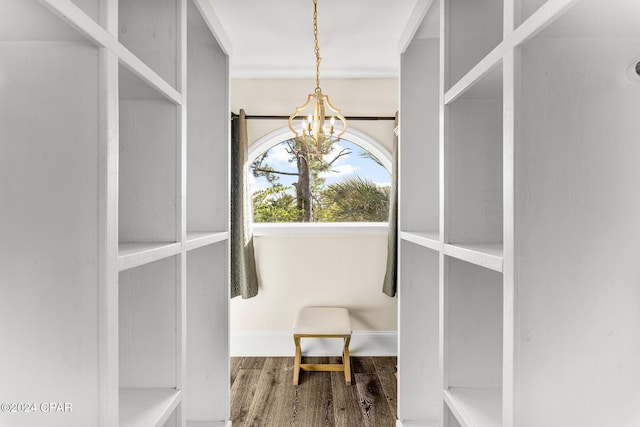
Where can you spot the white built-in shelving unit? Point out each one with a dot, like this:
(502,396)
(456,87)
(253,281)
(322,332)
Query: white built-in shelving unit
(114,125)
(518,214)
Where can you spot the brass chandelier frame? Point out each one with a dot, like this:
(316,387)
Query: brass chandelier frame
(312,132)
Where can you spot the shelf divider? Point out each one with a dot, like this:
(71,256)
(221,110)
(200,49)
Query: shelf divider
(147,407)
(475,406)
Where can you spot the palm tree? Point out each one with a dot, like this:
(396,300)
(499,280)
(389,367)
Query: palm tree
(356,200)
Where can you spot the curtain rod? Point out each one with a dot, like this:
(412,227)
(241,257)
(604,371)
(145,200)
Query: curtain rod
(268,117)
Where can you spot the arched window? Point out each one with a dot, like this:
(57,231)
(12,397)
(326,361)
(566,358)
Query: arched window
(350,184)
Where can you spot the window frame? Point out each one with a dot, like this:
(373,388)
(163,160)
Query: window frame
(319,228)
(352,135)
(355,136)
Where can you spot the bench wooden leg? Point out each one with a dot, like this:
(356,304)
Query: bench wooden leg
(298,359)
(345,366)
(346,361)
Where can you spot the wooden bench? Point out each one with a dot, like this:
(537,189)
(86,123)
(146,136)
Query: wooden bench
(322,322)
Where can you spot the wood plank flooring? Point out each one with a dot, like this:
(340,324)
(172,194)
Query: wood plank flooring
(262,393)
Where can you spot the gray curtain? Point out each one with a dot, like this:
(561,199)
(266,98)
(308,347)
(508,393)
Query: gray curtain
(244,277)
(390,284)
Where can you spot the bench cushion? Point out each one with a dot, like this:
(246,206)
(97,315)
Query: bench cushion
(322,321)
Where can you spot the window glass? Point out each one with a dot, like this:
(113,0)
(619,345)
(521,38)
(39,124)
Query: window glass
(347,185)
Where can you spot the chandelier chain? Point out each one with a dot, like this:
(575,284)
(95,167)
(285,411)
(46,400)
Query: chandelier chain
(317,134)
(316,48)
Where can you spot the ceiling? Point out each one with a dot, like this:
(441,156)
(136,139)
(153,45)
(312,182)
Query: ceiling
(274,38)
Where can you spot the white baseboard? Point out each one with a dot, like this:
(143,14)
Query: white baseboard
(280,343)
(209,423)
(416,424)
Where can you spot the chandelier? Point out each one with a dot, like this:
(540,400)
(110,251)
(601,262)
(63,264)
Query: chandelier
(313,133)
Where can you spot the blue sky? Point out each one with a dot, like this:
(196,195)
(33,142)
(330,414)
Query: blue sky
(344,167)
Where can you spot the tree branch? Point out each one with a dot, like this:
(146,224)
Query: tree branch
(274,171)
(343,152)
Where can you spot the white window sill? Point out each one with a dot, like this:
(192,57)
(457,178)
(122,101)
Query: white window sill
(322,228)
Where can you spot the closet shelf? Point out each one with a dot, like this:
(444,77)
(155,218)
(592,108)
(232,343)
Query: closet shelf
(145,73)
(132,255)
(428,239)
(76,19)
(198,239)
(86,26)
(538,21)
(147,407)
(134,86)
(487,255)
(475,406)
(476,74)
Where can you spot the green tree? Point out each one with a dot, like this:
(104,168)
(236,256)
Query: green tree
(308,188)
(274,204)
(356,200)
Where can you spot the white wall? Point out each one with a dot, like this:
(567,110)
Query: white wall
(338,269)
(324,270)
(354,97)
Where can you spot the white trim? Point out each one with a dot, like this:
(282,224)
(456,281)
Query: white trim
(319,228)
(241,72)
(280,343)
(414,22)
(352,135)
(209,423)
(417,424)
(212,20)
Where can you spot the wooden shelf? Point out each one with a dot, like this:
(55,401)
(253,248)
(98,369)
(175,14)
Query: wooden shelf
(147,407)
(145,73)
(428,239)
(521,94)
(82,26)
(538,20)
(475,407)
(198,239)
(104,178)
(488,255)
(132,255)
(139,32)
(483,22)
(575,18)
(488,70)
(143,84)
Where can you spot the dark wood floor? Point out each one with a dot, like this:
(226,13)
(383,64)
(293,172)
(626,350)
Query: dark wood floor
(262,393)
